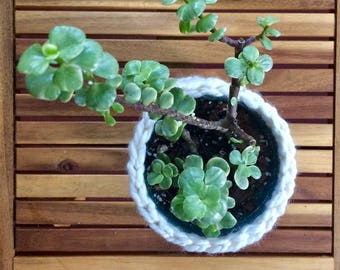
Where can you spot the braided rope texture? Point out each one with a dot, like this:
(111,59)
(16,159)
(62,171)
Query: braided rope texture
(274,208)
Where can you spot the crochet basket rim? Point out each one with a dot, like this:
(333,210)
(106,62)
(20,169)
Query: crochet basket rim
(249,233)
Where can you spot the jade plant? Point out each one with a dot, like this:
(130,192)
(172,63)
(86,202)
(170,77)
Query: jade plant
(71,66)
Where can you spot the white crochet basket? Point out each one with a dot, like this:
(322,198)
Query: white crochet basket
(274,208)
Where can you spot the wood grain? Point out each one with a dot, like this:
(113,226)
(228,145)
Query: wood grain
(168,262)
(124,23)
(145,240)
(191,51)
(117,186)
(79,160)
(293,79)
(303,5)
(6,135)
(336,195)
(34,132)
(125,213)
(26,105)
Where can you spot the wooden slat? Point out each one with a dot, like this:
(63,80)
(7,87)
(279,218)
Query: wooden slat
(69,159)
(336,238)
(172,262)
(117,186)
(6,135)
(123,23)
(26,105)
(191,51)
(324,5)
(125,213)
(136,240)
(31,132)
(293,80)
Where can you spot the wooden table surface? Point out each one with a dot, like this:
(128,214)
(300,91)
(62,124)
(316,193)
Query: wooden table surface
(64,171)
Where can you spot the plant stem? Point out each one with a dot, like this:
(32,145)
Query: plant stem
(231,130)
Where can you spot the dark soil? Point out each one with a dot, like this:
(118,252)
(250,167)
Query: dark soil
(249,203)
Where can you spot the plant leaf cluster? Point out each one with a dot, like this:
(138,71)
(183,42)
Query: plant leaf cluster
(192,19)
(203,195)
(163,172)
(249,66)
(246,167)
(268,31)
(66,64)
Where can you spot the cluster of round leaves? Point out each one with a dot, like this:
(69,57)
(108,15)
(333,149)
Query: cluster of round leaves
(191,17)
(249,66)
(163,172)
(148,82)
(266,24)
(246,167)
(67,64)
(202,197)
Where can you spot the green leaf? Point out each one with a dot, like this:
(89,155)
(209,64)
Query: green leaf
(157,165)
(211,231)
(109,120)
(132,93)
(69,41)
(164,157)
(255,172)
(228,221)
(191,181)
(234,68)
(215,176)
(267,21)
(266,62)
(266,43)
(115,81)
(167,171)
(169,84)
(241,177)
(132,68)
(100,97)
(193,161)
(191,10)
(272,32)
(33,61)
(255,75)
(178,94)
(235,157)
(107,67)
(80,97)
(206,23)
(117,107)
(219,163)
(250,53)
(69,77)
(179,163)
(249,155)
(42,86)
(65,97)
(168,2)
(187,105)
(185,27)
(212,197)
(90,56)
(177,206)
(169,126)
(149,95)
(193,207)
(154,178)
(234,140)
(217,35)
(50,51)
(174,169)
(231,202)
(166,100)
(166,183)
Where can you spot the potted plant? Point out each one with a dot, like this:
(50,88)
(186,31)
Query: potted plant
(212,165)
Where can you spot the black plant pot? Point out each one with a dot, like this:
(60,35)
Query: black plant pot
(257,208)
